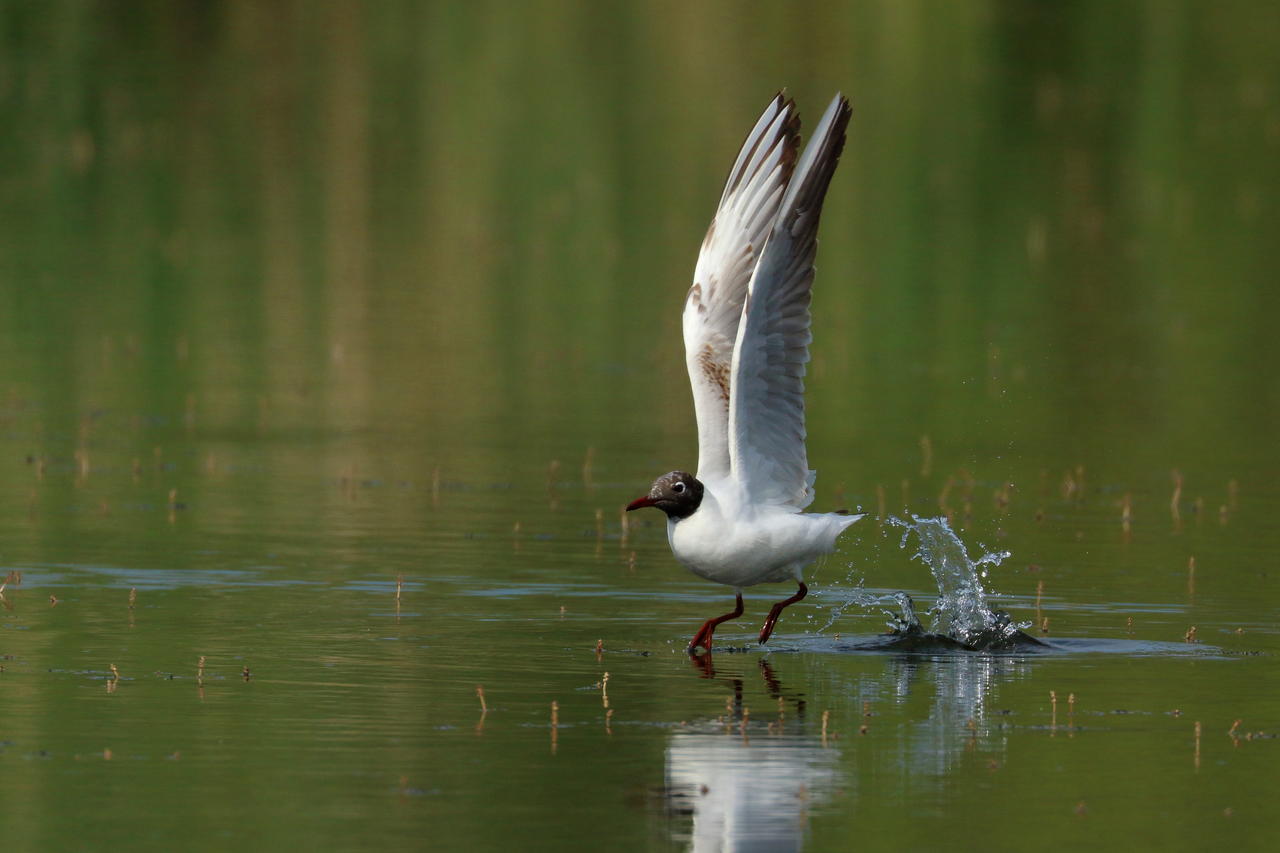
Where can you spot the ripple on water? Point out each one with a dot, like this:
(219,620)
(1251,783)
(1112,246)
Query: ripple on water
(1024,645)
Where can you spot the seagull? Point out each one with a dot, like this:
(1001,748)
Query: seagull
(740,520)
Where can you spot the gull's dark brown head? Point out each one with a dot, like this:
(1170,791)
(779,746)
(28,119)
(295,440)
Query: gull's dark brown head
(677,494)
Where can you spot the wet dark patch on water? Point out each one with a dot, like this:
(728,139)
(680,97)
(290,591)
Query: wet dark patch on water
(1018,644)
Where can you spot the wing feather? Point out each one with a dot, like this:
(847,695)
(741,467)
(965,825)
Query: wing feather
(748,210)
(766,378)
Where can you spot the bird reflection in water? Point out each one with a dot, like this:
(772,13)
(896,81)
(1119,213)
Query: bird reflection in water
(750,779)
(747,779)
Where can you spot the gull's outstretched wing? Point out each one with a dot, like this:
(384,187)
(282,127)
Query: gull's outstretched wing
(766,406)
(747,213)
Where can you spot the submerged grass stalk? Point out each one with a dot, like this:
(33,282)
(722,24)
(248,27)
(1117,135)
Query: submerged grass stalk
(553,478)
(587,464)
(555,724)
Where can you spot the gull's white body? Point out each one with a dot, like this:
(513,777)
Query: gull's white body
(746,336)
(745,545)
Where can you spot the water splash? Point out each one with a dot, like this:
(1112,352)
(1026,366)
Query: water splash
(961,613)
(855,597)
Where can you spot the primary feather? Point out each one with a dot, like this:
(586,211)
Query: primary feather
(730,252)
(746,318)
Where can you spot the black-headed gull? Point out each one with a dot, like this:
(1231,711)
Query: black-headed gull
(746,338)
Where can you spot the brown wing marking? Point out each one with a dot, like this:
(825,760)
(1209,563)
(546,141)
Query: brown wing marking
(716,371)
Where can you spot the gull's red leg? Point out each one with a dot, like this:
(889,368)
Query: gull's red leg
(777,611)
(703,637)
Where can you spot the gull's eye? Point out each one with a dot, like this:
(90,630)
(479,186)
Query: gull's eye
(678,488)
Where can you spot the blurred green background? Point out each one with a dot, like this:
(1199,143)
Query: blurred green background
(1053,224)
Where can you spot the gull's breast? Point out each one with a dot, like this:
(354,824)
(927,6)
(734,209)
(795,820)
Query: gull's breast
(762,548)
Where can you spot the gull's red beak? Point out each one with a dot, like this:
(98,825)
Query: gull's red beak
(641,503)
